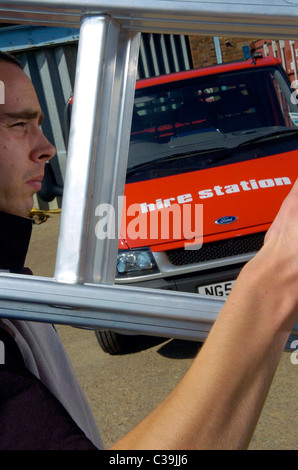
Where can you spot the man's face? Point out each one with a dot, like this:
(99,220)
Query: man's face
(24,149)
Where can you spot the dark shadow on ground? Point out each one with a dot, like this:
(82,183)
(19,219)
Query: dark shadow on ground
(180,349)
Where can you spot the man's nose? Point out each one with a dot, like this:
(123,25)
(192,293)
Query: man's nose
(43,150)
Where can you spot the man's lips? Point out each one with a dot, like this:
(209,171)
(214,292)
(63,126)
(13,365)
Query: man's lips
(35,182)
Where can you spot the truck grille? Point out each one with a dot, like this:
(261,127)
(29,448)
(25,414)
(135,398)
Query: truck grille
(217,250)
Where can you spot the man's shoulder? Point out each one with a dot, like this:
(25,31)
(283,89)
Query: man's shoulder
(10,354)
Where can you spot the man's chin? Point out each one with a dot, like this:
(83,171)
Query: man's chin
(23,210)
(21,206)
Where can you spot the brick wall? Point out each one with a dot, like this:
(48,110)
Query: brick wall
(203,49)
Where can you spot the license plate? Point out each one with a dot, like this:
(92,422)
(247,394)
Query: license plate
(219,289)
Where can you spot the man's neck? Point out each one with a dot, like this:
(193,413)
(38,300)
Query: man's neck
(15,234)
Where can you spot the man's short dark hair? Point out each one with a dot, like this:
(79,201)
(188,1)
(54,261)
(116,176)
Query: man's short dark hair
(5,57)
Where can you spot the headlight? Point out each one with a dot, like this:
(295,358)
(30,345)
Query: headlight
(135,263)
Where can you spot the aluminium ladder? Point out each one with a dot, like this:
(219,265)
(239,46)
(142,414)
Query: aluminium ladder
(82,291)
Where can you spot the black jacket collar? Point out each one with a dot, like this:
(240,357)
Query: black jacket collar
(15,234)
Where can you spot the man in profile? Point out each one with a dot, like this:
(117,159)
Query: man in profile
(41,403)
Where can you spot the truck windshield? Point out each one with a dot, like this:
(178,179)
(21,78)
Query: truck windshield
(205,113)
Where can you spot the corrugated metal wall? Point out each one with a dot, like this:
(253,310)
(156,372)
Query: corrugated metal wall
(52,71)
(163,53)
(286,51)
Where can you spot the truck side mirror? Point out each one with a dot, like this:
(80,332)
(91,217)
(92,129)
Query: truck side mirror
(50,188)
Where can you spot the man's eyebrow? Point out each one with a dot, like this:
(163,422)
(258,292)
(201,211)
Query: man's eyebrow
(27,114)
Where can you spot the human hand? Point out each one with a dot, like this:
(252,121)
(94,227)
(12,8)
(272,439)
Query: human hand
(285,225)
(278,258)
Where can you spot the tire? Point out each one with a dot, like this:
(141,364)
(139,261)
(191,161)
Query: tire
(116,344)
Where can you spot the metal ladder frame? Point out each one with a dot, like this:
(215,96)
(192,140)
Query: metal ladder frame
(82,292)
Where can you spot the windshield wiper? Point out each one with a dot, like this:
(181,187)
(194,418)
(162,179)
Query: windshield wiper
(269,136)
(250,142)
(229,152)
(170,158)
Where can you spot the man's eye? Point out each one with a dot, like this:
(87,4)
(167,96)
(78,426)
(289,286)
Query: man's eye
(19,124)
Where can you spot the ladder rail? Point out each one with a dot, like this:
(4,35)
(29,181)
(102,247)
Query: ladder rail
(98,150)
(120,308)
(277,18)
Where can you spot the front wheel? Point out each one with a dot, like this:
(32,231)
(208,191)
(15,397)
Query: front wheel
(116,344)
